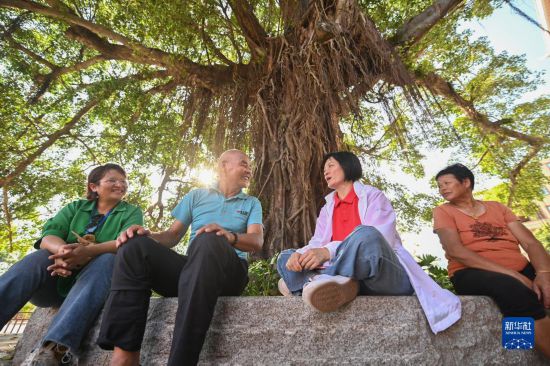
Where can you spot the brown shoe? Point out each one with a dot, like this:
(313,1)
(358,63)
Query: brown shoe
(327,293)
(283,289)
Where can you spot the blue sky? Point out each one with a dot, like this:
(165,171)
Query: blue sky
(506,31)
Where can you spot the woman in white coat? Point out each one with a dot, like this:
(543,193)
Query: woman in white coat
(356,249)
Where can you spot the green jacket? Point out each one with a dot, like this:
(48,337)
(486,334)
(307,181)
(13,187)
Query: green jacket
(76,216)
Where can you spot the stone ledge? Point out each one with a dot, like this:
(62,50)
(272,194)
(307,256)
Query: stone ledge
(283,331)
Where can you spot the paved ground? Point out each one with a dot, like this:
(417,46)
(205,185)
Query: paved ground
(7,347)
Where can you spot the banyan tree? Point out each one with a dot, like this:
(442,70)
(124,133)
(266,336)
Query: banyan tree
(287,81)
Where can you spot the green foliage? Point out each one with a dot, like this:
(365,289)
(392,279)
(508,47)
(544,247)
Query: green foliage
(263,278)
(142,123)
(437,273)
(543,235)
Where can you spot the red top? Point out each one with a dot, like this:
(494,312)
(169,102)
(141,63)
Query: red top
(345,216)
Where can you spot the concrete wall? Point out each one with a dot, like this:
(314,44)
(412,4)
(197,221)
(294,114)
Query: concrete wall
(283,331)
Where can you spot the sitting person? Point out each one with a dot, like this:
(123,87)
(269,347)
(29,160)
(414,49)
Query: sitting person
(71,273)
(225,224)
(356,250)
(481,241)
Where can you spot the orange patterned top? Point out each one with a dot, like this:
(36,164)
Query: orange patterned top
(487,235)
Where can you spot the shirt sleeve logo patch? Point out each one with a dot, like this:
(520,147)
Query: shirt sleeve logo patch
(242,212)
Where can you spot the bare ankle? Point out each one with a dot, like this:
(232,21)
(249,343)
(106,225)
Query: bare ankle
(121,357)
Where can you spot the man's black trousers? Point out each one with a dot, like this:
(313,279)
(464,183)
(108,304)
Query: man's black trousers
(210,269)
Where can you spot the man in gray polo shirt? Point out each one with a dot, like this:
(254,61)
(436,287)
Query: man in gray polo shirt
(226,224)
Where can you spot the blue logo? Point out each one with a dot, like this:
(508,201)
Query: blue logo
(518,333)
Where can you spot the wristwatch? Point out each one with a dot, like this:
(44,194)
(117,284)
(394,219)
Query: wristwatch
(235,238)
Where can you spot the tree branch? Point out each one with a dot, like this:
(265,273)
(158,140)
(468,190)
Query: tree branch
(15,45)
(52,138)
(7,214)
(95,36)
(48,79)
(90,150)
(437,85)
(210,42)
(168,171)
(231,34)
(254,34)
(416,27)
(293,12)
(517,170)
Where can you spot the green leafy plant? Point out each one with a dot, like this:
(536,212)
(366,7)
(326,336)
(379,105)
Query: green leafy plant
(543,234)
(437,273)
(263,278)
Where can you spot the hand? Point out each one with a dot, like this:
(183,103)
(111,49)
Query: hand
(314,258)
(518,276)
(293,263)
(541,286)
(73,256)
(59,271)
(215,228)
(60,267)
(130,233)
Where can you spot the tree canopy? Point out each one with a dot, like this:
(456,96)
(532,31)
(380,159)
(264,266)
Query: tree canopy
(166,86)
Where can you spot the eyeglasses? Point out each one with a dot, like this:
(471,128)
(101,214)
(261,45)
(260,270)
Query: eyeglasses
(112,182)
(94,223)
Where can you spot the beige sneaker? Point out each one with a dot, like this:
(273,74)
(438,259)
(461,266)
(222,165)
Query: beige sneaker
(327,293)
(283,289)
(47,356)
(53,354)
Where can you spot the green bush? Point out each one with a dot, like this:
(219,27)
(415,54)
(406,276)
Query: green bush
(437,273)
(543,234)
(263,278)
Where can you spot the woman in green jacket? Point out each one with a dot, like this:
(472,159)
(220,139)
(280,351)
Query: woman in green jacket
(73,265)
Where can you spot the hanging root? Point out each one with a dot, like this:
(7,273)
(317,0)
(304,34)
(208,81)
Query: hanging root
(321,72)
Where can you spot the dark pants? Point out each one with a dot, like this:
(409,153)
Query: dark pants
(511,296)
(210,269)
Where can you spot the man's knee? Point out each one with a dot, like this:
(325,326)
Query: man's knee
(209,243)
(138,245)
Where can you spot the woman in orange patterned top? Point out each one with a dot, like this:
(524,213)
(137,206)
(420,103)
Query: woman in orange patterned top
(481,240)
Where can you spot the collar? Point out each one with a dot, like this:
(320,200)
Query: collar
(216,187)
(89,206)
(359,188)
(350,197)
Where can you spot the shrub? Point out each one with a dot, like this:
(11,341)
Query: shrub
(263,278)
(437,273)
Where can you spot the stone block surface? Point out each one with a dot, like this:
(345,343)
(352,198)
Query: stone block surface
(371,330)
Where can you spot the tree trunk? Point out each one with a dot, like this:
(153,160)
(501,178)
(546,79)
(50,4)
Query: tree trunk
(311,78)
(291,143)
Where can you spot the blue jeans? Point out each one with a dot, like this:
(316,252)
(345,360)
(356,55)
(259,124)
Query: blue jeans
(28,280)
(364,256)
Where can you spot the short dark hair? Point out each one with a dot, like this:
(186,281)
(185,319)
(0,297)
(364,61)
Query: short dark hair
(97,174)
(460,172)
(349,162)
